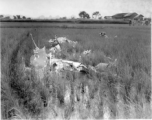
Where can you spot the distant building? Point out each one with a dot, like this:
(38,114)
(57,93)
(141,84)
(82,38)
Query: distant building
(130,16)
(124,16)
(139,17)
(119,16)
(149,19)
(108,17)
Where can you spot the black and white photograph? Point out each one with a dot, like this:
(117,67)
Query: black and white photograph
(75,59)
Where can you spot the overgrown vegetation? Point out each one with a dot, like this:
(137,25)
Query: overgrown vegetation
(126,95)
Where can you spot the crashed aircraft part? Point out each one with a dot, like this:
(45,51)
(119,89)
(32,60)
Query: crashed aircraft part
(86,52)
(40,60)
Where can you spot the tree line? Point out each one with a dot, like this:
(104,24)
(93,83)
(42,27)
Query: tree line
(84,14)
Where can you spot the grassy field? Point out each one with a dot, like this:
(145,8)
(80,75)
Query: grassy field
(63,21)
(126,96)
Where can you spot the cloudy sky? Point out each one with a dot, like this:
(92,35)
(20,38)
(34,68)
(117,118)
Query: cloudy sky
(68,8)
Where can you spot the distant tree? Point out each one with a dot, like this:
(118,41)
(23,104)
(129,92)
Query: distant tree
(18,17)
(83,14)
(64,18)
(1,16)
(7,17)
(87,16)
(14,17)
(96,14)
(24,17)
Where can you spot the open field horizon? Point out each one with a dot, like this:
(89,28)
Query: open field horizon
(126,95)
(69,25)
(78,21)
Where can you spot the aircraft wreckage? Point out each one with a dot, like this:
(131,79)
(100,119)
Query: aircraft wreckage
(43,61)
(40,59)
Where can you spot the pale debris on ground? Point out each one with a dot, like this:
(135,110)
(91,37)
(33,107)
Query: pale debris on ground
(40,59)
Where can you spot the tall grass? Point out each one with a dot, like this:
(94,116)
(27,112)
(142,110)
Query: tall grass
(109,96)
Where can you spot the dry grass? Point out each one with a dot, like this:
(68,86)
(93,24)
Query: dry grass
(128,96)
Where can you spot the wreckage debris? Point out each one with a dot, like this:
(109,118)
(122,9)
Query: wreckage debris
(92,68)
(104,66)
(55,49)
(68,65)
(40,59)
(62,40)
(47,65)
(86,52)
(103,34)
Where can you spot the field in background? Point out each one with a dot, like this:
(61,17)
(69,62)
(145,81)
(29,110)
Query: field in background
(63,25)
(79,21)
(132,48)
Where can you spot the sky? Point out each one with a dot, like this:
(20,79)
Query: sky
(68,8)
